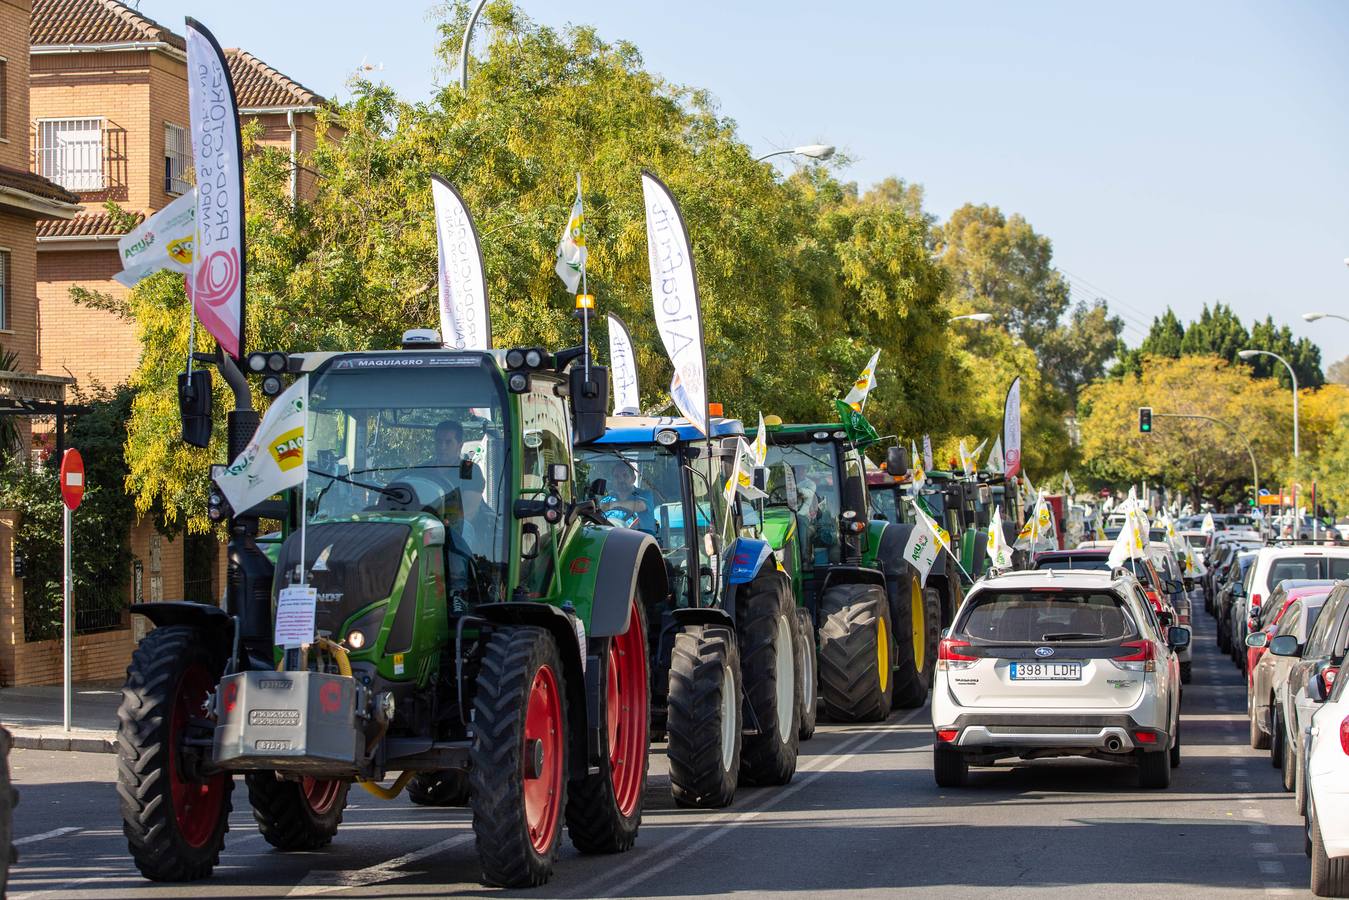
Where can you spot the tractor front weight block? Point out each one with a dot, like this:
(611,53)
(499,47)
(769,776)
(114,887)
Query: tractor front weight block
(293,722)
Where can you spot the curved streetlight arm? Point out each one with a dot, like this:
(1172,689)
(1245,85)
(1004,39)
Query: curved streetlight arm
(463,49)
(1255,470)
(1312,317)
(1247,354)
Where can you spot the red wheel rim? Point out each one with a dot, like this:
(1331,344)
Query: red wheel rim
(196,805)
(543,794)
(626,712)
(320,793)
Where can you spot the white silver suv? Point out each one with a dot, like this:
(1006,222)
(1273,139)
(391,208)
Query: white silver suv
(1050,663)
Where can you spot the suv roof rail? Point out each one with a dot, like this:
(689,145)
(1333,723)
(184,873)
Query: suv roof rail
(1309,542)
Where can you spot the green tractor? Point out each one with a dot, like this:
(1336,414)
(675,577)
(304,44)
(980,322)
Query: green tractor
(732,658)
(877,626)
(474,621)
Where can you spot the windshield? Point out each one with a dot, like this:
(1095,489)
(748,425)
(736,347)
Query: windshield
(1197,540)
(813,465)
(430,439)
(641,487)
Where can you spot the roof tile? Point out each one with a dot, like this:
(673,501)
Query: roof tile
(257,85)
(87,224)
(57,22)
(33,183)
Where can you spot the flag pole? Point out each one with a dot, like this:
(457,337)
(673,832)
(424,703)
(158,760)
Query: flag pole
(585,309)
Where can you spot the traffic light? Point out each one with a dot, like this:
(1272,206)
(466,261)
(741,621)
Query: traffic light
(1145,419)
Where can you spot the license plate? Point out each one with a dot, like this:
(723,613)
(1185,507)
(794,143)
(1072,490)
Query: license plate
(1046,671)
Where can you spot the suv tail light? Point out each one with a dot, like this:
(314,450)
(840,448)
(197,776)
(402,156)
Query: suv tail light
(1137,656)
(1255,602)
(950,657)
(1329,674)
(1344,735)
(1152,598)
(947,735)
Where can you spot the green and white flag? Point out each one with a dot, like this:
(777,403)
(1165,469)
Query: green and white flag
(927,539)
(275,459)
(857,397)
(999,554)
(571,249)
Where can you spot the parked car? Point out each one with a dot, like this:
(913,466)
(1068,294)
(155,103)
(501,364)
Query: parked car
(1230,603)
(1327,778)
(1316,662)
(1269,613)
(1048,663)
(1297,616)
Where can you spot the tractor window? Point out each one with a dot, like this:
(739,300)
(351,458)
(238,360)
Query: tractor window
(883,505)
(545,440)
(815,466)
(636,486)
(391,439)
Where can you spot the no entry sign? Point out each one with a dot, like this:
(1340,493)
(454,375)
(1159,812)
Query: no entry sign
(72,478)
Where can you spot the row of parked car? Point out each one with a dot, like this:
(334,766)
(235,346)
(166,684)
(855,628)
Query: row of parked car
(1071,657)
(1282,611)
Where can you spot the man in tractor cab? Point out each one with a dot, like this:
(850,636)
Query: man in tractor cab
(634,506)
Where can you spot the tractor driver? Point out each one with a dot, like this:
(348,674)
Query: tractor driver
(622,493)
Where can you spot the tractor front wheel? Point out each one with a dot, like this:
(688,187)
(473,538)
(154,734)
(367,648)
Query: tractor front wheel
(174,817)
(519,757)
(704,723)
(807,670)
(918,631)
(604,810)
(445,788)
(856,653)
(297,815)
(768,654)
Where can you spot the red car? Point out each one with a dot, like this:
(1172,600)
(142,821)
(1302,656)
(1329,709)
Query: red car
(1272,611)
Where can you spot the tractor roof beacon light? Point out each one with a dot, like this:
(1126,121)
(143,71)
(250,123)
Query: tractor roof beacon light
(422,339)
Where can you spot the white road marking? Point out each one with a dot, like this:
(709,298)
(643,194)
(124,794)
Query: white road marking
(1253,813)
(1270,867)
(326,882)
(34,838)
(604,883)
(1265,848)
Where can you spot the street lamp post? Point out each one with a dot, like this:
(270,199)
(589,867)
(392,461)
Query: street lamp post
(463,49)
(813,151)
(1250,354)
(973,317)
(1313,316)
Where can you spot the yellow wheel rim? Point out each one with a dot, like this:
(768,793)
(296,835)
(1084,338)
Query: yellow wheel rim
(919,625)
(882,653)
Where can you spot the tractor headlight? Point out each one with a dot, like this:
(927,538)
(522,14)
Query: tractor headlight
(533,359)
(518,383)
(514,359)
(666,438)
(356,639)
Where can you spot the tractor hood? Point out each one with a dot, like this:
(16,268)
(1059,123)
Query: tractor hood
(351,563)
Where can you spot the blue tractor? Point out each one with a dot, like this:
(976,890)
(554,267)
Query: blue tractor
(732,660)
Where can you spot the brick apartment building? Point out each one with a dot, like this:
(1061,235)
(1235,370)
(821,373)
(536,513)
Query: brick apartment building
(105,117)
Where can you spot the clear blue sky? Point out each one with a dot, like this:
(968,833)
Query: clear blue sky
(1176,153)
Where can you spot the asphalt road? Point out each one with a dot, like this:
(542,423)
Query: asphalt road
(862,818)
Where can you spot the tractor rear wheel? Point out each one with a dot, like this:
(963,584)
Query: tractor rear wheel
(445,788)
(918,630)
(519,756)
(604,810)
(808,670)
(297,815)
(174,818)
(9,798)
(704,724)
(856,653)
(768,651)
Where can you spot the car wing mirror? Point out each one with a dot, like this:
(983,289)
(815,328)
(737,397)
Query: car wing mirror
(1256,640)
(1285,645)
(1178,637)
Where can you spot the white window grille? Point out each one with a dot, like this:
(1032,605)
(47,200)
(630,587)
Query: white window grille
(176,157)
(70,152)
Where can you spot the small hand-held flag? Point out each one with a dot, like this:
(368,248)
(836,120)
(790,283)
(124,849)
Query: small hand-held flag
(857,396)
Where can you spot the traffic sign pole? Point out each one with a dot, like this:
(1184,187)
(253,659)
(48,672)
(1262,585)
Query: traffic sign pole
(72,492)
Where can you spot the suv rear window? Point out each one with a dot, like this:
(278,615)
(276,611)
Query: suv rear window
(1045,616)
(1308,567)
(1063,563)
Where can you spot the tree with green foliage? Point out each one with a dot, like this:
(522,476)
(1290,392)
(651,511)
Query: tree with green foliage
(1165,337)
(1302,355)
(1075,353)
(1217,332)
(800,280)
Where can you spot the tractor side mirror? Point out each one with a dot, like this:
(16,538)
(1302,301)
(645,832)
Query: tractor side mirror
(194,406)
(589,402)
(897,460)
(789,488)
(529,540)
(761,478)
(465,469)
(599,487)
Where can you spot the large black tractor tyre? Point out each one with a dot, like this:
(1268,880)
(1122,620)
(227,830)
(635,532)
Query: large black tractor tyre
(917,618)
(297,815)
(856,653)
(703,719)
(9,798)
(445,788)
(807,670)
(174,820)
(604,810)
(519,756)
(767,632)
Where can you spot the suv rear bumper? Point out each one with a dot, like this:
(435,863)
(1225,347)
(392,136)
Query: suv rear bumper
(1104,734)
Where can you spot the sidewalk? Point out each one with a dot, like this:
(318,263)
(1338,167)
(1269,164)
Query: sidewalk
(33,716)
